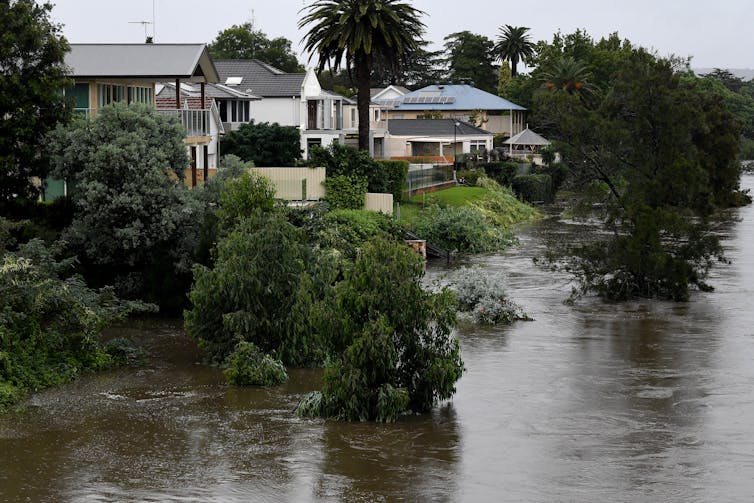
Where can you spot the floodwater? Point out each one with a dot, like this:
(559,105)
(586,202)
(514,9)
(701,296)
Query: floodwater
(643,401)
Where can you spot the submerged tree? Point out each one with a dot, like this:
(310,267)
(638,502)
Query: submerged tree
(362,35)
(390,341)
(645,150)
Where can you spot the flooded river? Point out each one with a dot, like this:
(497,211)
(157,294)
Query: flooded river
(644,401)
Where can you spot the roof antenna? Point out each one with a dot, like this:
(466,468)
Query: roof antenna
(144,24)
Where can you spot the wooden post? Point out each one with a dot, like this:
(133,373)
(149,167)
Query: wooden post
(205,158)
(193,166)
(177,93)
(202,86)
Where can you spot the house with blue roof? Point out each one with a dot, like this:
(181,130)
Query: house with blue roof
(461,102)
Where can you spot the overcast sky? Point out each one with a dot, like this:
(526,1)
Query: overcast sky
(716,33)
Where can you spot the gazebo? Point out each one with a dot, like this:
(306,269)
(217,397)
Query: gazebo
(526,139)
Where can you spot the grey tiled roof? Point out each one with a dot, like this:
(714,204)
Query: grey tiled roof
(432,127)
(260,78)
(527,137)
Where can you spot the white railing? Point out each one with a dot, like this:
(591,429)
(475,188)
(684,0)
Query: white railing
(196,122)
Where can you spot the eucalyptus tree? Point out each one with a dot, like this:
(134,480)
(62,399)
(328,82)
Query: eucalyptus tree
(362,35)
(513,44)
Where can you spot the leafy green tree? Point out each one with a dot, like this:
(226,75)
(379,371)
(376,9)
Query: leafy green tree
(513,44)
(470,58)
(391,346)
(134,223)
(32,79)
(244,42)
(345,160)
(367,34)
(264,144)
(647,146)
(249,293)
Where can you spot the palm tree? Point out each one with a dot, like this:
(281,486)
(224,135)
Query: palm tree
(367,34)
(514,44)
(569,75)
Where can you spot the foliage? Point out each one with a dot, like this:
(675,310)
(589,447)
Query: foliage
(396,172)
(134,225)
(481,296)
(534,188)
(666,155)
(50,321)
(501,207)
(247,365)
(264,144)
(421,68)
(31,103)
(387,359)
(469,176)
(345,160)
(363,35)
(242,197)
(248,294)
(462,229)
(244,42)
(346,192)
(347,230)
(471,59)
(513,44)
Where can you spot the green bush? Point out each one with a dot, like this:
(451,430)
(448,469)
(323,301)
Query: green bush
(462,229)
(470,176)
(534,188)
(502,172)
(346,192)
(265,144)
(249,366)
(345,160)
(481,296)
(347,230)
(390,342)
(50,321)
(396,173)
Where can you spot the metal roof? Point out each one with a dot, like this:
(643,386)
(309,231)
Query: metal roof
(433,127)
(454,97)
(262,79)
(143,61)
(527,137)
(167,90)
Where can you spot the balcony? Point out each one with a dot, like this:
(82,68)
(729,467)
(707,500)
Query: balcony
(195,122)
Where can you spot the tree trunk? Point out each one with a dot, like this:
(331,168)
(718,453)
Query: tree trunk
(514,66)
(363,98)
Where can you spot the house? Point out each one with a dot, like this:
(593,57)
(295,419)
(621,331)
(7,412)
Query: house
(443,138)
(109,73)
(462,102)
(293,99)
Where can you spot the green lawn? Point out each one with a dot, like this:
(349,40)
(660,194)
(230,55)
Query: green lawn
(454,196)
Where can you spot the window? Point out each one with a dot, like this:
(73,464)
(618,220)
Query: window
(353,116)
(478,145)
(235,110)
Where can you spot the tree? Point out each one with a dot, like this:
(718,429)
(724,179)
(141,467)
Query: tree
(570,76)
(367,34)
(134,219)
(645,151)
(264,144)
(470,58)
(422,68)
(244,42)
(390,341)
(514,44)
(32,78)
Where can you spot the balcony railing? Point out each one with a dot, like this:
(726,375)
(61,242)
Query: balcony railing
(196,122)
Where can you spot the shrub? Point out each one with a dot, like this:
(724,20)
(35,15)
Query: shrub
(462,229)
(265,144)
(396,173)
(347,230)
(345,160)
(502,172)
(501,207)
(534,188)
(248,295)
(481,296)
(386,358)
(469,176)
(243,197)
(346,192)
(249,366)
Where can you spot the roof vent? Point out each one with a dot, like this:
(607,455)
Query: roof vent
(233,81)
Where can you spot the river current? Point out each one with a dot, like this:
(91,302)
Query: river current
(641,401)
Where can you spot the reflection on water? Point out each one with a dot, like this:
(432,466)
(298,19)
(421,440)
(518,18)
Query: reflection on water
(643,401)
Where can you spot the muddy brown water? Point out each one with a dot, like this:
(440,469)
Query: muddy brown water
(644,401)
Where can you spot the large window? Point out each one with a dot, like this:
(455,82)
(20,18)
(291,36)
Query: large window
(112,93)
(234,111)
